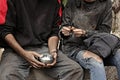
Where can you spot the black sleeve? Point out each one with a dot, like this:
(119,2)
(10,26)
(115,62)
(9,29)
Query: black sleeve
(56,21)
(10,20)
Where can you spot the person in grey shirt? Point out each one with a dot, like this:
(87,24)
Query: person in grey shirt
(85,36)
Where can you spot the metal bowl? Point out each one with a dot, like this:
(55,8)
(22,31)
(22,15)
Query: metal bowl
(46,58)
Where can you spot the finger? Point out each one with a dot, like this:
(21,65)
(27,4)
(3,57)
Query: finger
(37,55)
(55,56)
(49,65)
(34,65)
(36,61)
(78,30)
(73,28)
(54,62)
(39,63)
(79,33)
(66,28)
(66,33)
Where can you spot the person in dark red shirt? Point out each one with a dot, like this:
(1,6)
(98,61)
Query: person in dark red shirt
(29,30)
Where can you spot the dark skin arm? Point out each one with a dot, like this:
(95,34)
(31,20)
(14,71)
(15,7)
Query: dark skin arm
(53,44)
(28,55)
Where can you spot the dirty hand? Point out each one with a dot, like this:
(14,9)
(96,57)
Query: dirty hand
(54,61)
(78,32)
(66,30)
(31,56)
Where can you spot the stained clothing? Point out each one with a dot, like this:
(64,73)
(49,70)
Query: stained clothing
(14,67)
(91,17)
(32,23)
(96,19)
(103,44)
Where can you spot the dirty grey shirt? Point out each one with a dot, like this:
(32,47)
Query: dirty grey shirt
(88,16)
(94,17)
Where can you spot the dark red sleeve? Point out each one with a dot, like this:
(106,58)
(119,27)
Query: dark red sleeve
(60,11)
(3,11)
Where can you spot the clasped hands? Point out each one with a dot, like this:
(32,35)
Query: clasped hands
(68,30)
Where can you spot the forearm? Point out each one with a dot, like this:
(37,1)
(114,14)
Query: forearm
(9,38)
(53,43)
(28,55)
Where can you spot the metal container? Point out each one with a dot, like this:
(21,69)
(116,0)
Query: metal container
(46,58)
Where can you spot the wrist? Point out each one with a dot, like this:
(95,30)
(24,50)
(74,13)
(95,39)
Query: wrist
(53,51)
(22,52)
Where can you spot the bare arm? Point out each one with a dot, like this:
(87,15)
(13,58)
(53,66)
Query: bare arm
(28,55)
(53,44)
(14,44)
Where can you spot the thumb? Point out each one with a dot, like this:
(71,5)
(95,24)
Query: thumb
(72,28)
(37,54)
(55,55)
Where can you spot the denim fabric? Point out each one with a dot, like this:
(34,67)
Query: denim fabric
(97,70)
(114,60)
